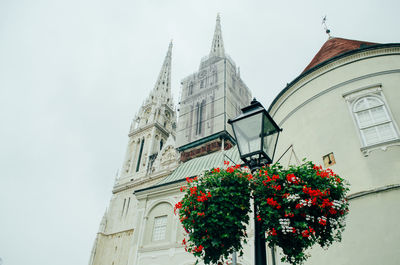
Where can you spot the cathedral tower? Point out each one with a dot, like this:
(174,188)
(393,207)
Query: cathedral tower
(150,156)
(209,98)
(152,126)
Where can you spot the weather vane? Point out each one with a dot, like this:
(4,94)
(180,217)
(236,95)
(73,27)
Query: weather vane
(325,26)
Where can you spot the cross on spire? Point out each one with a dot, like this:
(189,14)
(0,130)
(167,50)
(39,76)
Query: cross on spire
(327,31)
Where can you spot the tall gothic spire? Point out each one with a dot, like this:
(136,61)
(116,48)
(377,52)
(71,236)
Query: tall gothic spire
(163,83)
(217,46)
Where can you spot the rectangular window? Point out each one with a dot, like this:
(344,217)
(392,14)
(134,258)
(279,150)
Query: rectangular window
(160,228)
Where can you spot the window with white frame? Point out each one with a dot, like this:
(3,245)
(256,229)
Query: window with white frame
(160,228)
(373,120)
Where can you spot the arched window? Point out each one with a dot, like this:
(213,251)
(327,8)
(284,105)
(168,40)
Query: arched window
(159,225)
(373,121)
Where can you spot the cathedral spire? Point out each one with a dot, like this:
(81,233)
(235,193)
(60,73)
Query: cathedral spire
(163,84)
(217,46)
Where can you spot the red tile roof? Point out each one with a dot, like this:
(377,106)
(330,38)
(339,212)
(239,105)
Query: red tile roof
(334,47)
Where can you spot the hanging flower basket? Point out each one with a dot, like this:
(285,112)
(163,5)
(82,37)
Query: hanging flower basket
(299,207)
(214,213)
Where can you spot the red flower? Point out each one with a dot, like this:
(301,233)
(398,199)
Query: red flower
(230,170)
(276,187)
(275,177)
(200,214)
(332,211)
(322,222)
(198,249)
(305,233)
(216,170)
(272,202)
(292,179)
(326,203)
(226,162)
(177,206)
(193,190)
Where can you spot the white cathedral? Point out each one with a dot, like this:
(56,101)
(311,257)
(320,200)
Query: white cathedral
(342,112)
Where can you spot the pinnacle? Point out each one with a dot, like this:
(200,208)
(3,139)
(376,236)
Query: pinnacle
(217,46)
(162,88)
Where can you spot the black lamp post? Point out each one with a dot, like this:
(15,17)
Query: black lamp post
(256,135)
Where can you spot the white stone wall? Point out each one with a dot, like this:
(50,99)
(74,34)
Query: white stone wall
(317,119)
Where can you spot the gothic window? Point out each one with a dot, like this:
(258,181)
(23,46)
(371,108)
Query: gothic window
(161,144)
(127,207)
(140,155)
(202,83)
(190,89)
(123,207)
(199,115)
(373,121)
(160,228)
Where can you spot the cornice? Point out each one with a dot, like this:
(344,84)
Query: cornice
(157,190)
(116,233)
(373,191)
(140,181)
(149,126)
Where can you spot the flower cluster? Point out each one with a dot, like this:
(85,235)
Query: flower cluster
(308,207)
(297,208)
(214,212)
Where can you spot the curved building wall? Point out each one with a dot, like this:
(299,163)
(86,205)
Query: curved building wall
(317,115)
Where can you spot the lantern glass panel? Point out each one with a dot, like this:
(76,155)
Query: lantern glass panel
(247,133)
(270,137)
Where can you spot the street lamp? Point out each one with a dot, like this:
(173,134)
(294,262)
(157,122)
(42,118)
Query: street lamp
(256,135)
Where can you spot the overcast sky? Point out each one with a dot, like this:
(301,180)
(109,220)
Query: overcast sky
(73,73)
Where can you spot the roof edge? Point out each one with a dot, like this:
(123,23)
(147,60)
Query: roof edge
(314,68)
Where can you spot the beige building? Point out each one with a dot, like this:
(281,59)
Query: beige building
(341,112)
